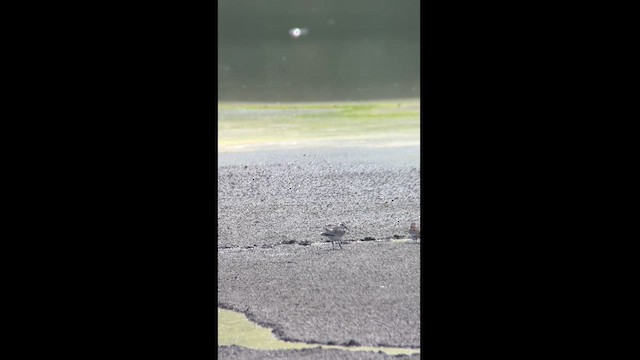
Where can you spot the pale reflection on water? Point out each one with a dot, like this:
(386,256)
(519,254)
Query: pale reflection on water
(390,157)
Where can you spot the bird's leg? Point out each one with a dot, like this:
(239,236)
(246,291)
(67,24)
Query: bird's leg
(339,244)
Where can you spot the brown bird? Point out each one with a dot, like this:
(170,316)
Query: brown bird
(335,233)
(414,231)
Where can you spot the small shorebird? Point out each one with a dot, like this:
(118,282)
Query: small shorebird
(335,233)
(414,231)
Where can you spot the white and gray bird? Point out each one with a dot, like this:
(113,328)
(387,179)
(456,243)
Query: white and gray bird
(335,233)
(414,231)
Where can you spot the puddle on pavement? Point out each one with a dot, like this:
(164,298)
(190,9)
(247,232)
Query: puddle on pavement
(235,328)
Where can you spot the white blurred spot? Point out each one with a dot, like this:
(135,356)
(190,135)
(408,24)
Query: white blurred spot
(331,22)
(298,32)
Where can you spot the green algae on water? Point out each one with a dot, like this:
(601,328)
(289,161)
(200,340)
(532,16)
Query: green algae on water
(242,126)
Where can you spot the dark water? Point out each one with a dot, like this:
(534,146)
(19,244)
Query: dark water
(343,50)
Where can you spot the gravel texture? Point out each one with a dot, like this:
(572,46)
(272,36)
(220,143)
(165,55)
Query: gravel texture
(274,266)
(368,292)
(236,353)
(293,200)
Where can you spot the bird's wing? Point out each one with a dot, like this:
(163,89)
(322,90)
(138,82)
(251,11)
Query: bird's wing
(328,231)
